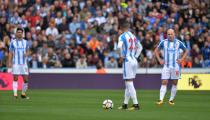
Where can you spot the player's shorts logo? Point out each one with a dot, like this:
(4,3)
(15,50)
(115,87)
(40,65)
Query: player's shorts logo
(195,82)
(26,69)
(177,73)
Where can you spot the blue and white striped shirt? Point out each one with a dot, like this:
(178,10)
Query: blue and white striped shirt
(131,47)
(19,48)
(171,51)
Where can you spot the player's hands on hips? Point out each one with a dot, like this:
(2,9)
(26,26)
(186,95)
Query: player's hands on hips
(179,61)
(162,62)
(123,58)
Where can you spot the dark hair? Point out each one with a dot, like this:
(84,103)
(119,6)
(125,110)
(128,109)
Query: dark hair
(19,29)
(125,25)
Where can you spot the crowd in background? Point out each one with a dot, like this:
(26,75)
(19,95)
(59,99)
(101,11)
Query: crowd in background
(84,33)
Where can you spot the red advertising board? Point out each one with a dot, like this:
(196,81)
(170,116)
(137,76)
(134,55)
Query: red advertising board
(6,81)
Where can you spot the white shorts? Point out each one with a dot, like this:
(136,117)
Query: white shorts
(20,70)
(171,73)
(129,69)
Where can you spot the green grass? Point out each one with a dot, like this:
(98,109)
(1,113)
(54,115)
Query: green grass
(87,105)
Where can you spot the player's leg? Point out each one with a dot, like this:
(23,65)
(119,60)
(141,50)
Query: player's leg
(25,86)
(132,92)
(15,86)
(163,90)
(127,94)
(24,72)
(175,75)
(126,98)
(164,76)
(173,91)
(131,88)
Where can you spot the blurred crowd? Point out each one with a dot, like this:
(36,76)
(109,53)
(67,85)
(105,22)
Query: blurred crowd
(84,33)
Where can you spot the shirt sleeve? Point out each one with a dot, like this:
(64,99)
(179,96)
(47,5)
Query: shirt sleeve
(138,49)
(161,45)
(119,46)
(27,46)
(182,46)
(11,46)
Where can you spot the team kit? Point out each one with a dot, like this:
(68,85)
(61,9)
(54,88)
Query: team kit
(130,48)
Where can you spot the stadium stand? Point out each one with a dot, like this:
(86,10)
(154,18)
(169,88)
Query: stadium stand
(62,32)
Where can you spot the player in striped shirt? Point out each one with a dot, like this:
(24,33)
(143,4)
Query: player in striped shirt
(171,67)
(18,51)
(130,50)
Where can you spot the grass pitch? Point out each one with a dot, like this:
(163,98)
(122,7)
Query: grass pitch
(87,105)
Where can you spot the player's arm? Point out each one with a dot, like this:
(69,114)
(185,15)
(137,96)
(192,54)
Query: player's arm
(11,48)
(157,53)
(138,49)
(10,58)
(119,46)
(27,53)
(186,51)
(27,50)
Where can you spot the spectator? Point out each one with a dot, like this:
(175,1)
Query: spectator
(93,43)
(81,63)
(83,13)
(53,31)
(77,36)
(50,41)
(51,57)
(196,63)
(187,43)
(69,17)
(44,63)
(90,7)
(63,27)
(39,55)
(90,30)
(58,64)
(44,49)
(93,60)
(100,68)
(6,42)
(206,54)
(195,52)
(34,62)
(68,61)
(74,25)
(112,63)
(58,19)
(75,55)
(46,20)
(101,19)
(24,22)
(4,60)
(16,19)
(61,44)
(187,63)
(108,26)
(34,47)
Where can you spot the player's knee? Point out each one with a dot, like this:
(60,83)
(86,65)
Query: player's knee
(26,81)
(174,82)
(164,82)
(15,78)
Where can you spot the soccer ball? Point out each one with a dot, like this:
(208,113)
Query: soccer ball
(108,104)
